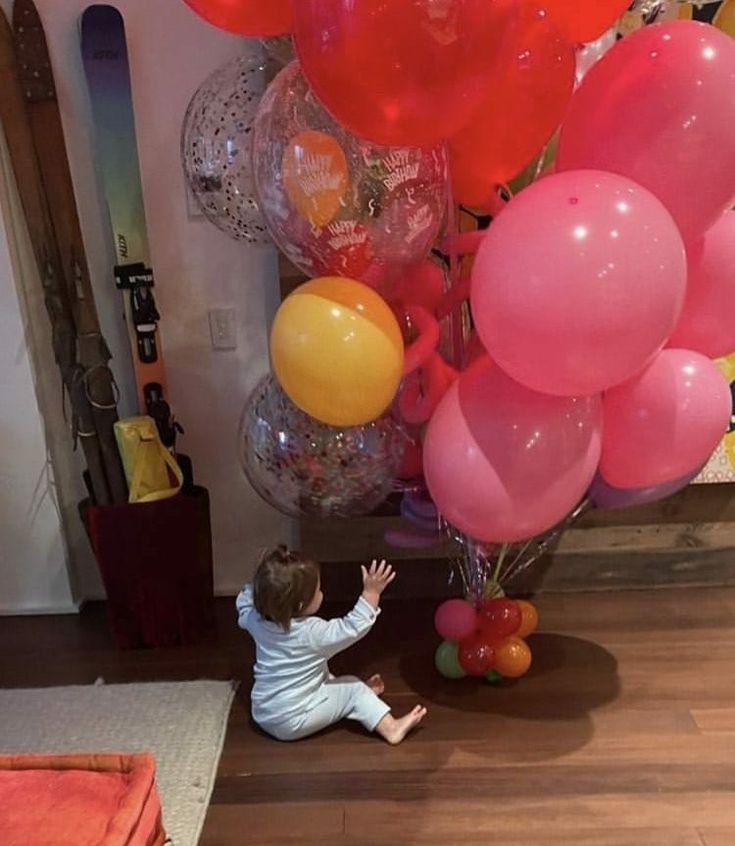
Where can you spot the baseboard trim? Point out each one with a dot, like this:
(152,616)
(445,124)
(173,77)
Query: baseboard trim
(40,610)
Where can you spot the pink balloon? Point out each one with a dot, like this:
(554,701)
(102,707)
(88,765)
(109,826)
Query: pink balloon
(659,107)
(579,281)
(664,423)
(455,619)
(503,463)
(707,322)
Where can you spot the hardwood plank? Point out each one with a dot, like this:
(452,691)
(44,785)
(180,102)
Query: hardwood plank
(657,750)
(508,782)
(582,837)
(535,818)
(715,720)
(717,836)
(274,823)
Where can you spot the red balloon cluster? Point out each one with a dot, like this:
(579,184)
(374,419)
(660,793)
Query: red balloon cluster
(488,639)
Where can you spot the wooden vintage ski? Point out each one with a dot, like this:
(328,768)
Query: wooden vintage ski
(30,119)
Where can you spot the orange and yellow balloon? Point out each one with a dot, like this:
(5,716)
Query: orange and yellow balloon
(337,351)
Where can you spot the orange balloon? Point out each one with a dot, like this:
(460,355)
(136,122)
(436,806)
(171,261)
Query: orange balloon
(315,175)
(529,618)
(512,658)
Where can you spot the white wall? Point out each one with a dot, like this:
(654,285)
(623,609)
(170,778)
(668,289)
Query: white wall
(33,560)
(197,267)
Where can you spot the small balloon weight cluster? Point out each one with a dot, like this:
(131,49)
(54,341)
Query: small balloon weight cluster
(487,639)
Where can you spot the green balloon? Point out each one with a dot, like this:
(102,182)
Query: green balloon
(447,662)
(493,677)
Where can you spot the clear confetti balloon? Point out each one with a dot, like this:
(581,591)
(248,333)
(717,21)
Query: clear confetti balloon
(216,145)
(336,204)
(303,467)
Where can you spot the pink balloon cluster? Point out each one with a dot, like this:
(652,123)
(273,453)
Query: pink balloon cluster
(599,294)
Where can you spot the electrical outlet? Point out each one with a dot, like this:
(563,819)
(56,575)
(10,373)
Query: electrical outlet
(223,328)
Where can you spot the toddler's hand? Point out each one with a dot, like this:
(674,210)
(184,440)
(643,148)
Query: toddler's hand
(376,580)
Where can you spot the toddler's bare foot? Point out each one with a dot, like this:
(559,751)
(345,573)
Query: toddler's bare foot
(394,731)
(375,683)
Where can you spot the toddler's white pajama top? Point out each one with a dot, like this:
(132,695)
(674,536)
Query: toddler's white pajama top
(294,694)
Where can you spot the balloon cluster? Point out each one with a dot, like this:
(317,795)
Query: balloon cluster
(598,296)
(484,640)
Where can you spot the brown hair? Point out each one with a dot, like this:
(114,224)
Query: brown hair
(284,583)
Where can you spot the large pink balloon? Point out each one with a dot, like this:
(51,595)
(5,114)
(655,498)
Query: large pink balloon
(503,463)
(666,422)
(578,282)
(707,322)
(660,108)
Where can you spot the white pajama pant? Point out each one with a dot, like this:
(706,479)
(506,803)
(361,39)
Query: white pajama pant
(345,697)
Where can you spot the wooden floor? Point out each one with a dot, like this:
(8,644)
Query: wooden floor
(622,735)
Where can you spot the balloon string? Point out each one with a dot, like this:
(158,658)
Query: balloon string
(454,298)
(499,565)
(454,276)
(544,543)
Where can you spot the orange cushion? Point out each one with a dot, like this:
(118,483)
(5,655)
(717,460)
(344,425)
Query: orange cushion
(79,800)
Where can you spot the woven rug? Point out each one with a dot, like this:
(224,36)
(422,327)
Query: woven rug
(182,723)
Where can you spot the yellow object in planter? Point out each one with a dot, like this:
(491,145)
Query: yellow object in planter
(150,469)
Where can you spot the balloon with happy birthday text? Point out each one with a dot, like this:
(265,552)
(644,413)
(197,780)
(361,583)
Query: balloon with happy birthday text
(336,204)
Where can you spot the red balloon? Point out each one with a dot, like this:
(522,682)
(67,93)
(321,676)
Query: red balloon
(476,655)
(521,111)
(397,72)
(666,422)
(246,17)
(499,618)
(584,20)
